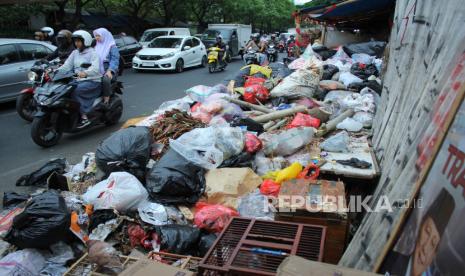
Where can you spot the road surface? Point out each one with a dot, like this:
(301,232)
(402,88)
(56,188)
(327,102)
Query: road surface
(143,93)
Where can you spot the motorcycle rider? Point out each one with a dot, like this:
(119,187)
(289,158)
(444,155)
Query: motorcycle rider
(64,48)
(48,35)
(221,54)
(86,91)
(252,43)
(290,40)
(273,40)
(109,59)
(39,36)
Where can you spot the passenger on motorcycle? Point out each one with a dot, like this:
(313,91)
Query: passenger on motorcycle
(109,56)
(86,91)
(221,54)
(65,46)
(274,40)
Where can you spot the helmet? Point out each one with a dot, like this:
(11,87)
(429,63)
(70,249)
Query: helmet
(291,36)
(47,30)
(219,37)
(64,37)
(84,36)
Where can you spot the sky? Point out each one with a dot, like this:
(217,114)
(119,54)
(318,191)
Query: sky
(300,2)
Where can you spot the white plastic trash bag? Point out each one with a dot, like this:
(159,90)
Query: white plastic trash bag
(26,262)
(286,142)
(301,83)
(209,147)
(121,191)
(347,78)
(336,143)
(264,164)
(153,213)
(363,58)
(366,118)
(350,124)
(199,93)
(359,102)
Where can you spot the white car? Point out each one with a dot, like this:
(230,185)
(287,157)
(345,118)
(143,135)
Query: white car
(171,53)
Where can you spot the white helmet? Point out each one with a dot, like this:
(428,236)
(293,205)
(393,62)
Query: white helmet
(48,31)
(85,36)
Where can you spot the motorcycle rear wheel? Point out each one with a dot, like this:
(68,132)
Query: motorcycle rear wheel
(25,106)
(211,68)
(118,112)
(44,133)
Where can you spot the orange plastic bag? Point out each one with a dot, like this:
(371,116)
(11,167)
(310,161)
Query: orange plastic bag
(270,188)
(213,217)
(256,92)
(311,172)
(251,80)
(304,120)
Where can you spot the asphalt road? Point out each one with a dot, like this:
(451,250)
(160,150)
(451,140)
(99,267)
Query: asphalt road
(143,93)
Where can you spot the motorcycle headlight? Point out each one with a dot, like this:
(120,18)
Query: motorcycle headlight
(168,55)
(32,76)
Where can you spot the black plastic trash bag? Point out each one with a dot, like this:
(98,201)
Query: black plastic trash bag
(206,241)
(44,221)
(178,239)
(372,48)
(125,150)
(40,176)
(249,123)
(328,71)
(363,71)
(101,216)
(324,52)
(243,159)
(279,70)
(11,199)
(175,180)
(371,84)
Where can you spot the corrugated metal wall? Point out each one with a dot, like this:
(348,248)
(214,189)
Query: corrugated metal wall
(424,46)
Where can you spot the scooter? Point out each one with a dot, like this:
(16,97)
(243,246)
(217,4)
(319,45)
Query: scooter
(214,64)
(251,56)
(57,112)
(38,76)
(272,53)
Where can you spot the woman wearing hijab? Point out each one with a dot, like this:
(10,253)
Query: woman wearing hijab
(109,59)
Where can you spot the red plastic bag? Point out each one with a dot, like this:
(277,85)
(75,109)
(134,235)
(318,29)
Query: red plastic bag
(212,217)
(256,92)
(304,120)
(252,143)
(270,188)
(251,80)
(137,236)
(311,172)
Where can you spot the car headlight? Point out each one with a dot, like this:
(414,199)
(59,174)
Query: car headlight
(32,76)
(168,55)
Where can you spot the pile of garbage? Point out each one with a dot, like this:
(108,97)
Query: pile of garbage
(172,182)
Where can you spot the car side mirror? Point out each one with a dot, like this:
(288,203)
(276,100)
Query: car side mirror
(86,65)
(186,48)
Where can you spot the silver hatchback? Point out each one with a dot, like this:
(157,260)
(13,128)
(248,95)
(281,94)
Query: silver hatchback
(16,58)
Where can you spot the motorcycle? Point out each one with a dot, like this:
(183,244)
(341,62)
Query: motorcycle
(38,75)
(272,53)
(214,64)
(281,46)
(290,49)
(57,112)
(251,56)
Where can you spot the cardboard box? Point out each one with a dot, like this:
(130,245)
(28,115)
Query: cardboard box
(150,267)
(298,266)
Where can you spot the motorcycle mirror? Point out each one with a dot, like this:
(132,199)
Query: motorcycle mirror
(86,65)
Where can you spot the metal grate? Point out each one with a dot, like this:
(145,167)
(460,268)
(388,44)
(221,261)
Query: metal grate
(258,247)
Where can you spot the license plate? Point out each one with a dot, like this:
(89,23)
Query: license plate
(148,64)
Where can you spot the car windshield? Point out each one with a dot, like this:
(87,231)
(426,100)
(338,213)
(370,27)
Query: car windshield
(151,35)
(212,34)
(166,43)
